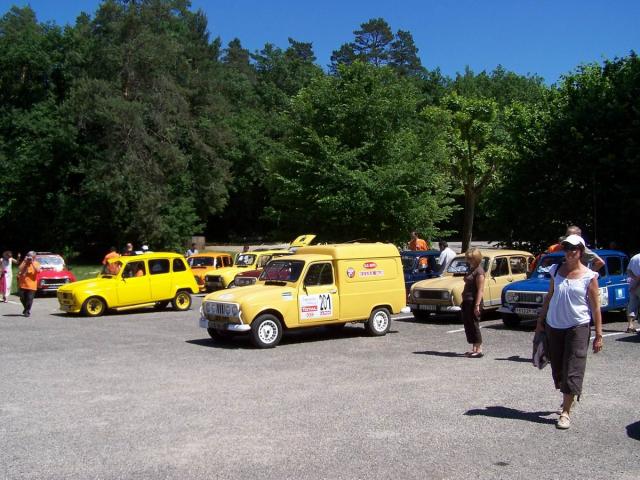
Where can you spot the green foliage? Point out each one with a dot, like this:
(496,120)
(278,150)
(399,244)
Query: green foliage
(357,161)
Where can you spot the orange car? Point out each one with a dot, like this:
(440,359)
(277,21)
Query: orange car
(203,263)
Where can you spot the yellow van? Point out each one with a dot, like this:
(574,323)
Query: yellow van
(444,294)
(147,280)
(319,285)
(206,262)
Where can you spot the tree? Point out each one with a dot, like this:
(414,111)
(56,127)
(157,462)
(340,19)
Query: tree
(357,161)
(477,144)
(403,55)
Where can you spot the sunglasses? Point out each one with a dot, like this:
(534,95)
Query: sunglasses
(570,248)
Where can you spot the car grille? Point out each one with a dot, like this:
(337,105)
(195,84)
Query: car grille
(53,283)
(213,278)
(530,297)
(428,294)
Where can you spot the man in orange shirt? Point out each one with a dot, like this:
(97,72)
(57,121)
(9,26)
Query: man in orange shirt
(111,268)
(417,243)
(27,273)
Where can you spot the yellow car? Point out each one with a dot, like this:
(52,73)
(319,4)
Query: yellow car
(321,285)
(148,280)
(444,294)
(206,262)
(252,260)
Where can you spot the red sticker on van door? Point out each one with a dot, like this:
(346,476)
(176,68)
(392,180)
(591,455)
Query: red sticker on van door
(370,265)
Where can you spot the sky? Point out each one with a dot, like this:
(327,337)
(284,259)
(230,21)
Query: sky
(548,38)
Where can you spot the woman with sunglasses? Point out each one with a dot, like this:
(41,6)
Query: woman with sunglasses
(572,300)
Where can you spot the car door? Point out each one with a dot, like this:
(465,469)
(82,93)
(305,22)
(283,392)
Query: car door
(615,281)
(160,279)
(318,299)
(499,276)
(133,287)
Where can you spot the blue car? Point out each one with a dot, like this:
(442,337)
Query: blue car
(523,300)
(419,265)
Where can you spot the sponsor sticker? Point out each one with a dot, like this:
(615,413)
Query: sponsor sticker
(370,265)
(316,306)
(226,296)
(371,273)
(351,272)
(287,296)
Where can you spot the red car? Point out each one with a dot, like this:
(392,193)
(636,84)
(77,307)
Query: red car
(53,272)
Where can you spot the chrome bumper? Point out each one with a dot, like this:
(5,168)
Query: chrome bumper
(227,327)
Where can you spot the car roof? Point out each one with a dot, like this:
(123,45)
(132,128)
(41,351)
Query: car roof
(209,254)
(490,252)
(146,256)
(419,253)
(266,252)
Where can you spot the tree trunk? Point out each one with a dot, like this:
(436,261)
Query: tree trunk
(469,212)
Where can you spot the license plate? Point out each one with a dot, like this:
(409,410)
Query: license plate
(427,307)
(527,311)
(204,323)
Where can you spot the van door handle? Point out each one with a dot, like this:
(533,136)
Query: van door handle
(335,290)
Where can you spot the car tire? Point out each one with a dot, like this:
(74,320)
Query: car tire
(420,315)
(182,301)
(266,331)
(379,322)
(94,307)
(510,320)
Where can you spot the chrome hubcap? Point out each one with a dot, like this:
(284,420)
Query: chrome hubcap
(380,321)
(268,332)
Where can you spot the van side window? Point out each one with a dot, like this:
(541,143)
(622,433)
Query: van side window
(158,266)
(134,269)
(614,265)
(178,265)
(319,274)
(499,267)
(227,261)
(518,265)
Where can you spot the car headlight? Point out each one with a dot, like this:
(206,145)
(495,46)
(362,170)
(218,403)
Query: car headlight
(446,295)
(539,298)
(511,297)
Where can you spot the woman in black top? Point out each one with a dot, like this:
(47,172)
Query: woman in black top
(472,301)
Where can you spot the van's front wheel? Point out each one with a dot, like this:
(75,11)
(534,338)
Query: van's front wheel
(266,331)
(379,322)
(182,301)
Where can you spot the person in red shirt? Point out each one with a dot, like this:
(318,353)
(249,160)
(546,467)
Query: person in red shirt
(27,273)
(417,243)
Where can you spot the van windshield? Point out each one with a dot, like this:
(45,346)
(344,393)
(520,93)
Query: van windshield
(460,266)
(196,262)
(245,259)
(282,270)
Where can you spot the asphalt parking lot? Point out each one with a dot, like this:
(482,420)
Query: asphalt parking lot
(148,395)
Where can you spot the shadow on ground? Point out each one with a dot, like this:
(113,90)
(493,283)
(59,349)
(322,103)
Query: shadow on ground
(436,353)
(633,430)
(512,414)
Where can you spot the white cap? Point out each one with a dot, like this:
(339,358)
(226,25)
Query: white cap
(574,240)
(145,248)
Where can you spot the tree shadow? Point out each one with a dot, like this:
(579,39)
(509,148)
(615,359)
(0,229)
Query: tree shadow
(512,414)
(516,358)
(632,338)
(633,430)
(435,353)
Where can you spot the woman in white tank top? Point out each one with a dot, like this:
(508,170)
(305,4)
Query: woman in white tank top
(571,302)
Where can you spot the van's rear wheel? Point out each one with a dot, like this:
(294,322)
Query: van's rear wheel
(182,301)
(379,322)
(266,331)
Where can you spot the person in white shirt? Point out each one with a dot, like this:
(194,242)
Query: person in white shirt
(572,301)
(192,251)
(633,277)
(446,255)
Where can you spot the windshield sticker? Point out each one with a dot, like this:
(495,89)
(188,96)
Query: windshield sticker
(351,272)
(371,273)
(316,306)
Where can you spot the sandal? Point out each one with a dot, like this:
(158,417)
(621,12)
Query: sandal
(631,330)
(564,421)
(476,355)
